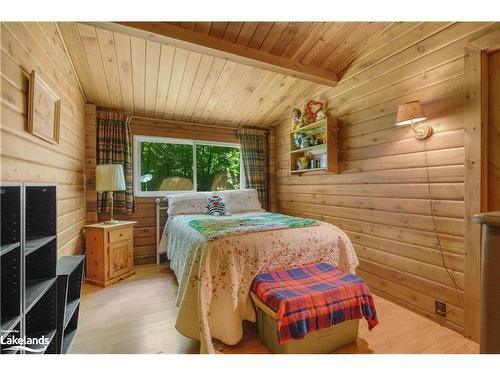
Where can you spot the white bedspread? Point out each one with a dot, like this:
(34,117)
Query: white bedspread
(215,276)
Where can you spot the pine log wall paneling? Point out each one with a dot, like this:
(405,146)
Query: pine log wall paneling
(381,198)
(24,157)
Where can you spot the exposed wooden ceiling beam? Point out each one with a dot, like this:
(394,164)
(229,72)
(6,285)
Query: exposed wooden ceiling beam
(206,44)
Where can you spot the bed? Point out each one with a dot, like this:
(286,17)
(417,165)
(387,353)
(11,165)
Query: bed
(215,268)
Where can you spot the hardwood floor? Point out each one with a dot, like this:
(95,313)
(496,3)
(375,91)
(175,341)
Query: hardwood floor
(138,315)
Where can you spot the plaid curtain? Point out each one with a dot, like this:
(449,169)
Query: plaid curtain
(114,146)
(254,155)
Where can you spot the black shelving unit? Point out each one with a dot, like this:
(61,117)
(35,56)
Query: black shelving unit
(28,262)
(69,285)
(11,264)
(40,258)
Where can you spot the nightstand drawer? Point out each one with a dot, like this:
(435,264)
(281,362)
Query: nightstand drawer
(118,235)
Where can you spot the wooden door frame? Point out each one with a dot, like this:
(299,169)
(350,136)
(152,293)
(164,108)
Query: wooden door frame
(475,174)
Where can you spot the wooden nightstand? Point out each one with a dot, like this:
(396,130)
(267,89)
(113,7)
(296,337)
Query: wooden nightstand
(110,252)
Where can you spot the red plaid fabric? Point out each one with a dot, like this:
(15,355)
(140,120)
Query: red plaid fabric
(313,297)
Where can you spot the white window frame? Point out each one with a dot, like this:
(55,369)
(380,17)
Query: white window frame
(138,139)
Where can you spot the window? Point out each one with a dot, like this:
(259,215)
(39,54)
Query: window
(179,165)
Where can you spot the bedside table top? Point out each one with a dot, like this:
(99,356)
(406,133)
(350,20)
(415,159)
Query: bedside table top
(110,226)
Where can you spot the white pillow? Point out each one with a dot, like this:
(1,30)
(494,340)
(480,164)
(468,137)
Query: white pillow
(187,203)
(243,200)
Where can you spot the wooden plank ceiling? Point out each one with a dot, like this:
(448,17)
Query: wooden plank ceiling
(141,75)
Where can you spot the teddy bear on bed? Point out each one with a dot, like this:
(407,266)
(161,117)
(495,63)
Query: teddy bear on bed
(216,206)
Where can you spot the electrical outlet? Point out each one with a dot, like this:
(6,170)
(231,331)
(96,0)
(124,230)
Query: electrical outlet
(440,308)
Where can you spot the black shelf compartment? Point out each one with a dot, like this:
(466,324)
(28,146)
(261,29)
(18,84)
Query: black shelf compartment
(69,283)
(15,332)
(10,288)
(10,203)
(40,263)
(40,211)
(41,319)
(70,331)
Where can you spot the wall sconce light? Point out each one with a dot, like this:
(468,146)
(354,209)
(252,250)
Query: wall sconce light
(411,114)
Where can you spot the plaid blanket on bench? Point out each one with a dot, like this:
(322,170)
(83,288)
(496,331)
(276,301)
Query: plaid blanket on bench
(313,297)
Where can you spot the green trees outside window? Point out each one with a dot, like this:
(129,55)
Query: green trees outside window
(170,167)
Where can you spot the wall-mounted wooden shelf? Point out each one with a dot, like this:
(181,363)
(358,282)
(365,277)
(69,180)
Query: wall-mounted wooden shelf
(327,127)
(299,171)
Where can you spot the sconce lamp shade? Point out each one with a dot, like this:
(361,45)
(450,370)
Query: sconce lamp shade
(410,113)
(109,177)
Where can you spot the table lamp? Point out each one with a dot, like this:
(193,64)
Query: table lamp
(110,178)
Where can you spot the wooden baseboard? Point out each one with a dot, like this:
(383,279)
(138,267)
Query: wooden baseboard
(104,284)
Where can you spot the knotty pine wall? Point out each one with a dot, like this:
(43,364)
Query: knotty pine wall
(380,197)
(24,157)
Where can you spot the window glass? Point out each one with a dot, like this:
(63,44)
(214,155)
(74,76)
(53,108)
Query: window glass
(217,167)
(166,167)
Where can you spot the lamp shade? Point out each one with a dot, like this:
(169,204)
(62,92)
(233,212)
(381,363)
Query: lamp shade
(410,113)
(109,177)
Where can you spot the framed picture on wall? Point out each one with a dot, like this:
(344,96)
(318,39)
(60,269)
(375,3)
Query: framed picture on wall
(44,110)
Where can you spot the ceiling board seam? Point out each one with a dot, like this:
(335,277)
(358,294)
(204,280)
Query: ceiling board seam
(118,69)
(239,32)
(102,62)
(240,83)
(299,54)
(77,33)
(180,86)
(71,61)
(253,34)
(213,88)
(267,34)
(157,79)
(169,83)
(194,80)
(191,86)
(131,70)
(203,87)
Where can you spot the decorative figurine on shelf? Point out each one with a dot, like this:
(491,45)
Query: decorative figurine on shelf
(296,114)
(321,115)
(310,141)
(322,160)
(322,137)
(305,120)
(298,138)
(312,109)
(303,161)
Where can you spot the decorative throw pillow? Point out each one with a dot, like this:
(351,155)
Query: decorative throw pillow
(243,200)
(187,203)
(215,205)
